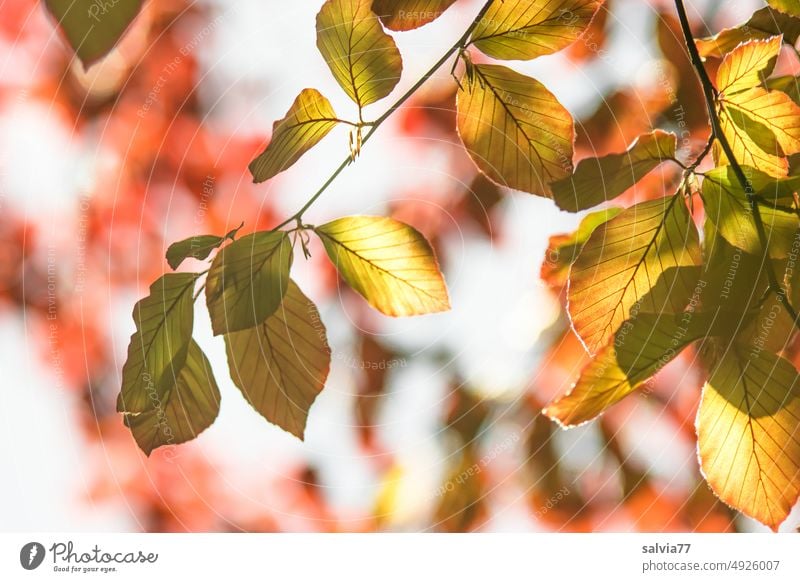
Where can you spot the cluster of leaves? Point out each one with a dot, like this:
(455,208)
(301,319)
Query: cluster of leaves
(642,283)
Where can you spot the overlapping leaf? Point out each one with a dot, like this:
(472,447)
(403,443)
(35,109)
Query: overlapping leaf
(247,281)
(158,348)
(93,27)
(748,434)
(597,180)
(635,262)
(640,348)
(362,57)
(791,7)
(526,29)
(389,263)
(409,14)
(514,129)
(763,24)
(185,410)
(281,365)
(310,118)
(196,247)
(727,207)
(748,65)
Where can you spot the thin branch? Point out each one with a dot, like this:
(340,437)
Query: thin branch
(710,94)
(373,126)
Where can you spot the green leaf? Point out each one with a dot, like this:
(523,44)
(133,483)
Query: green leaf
(635,262)
(640,348)
(362,57)
(597,180)
(186,409)
(563,249)
(763,24)
(748,433)
(197,247)
(727,207)
(526,29)
(281,365)
(247,281)
(514,129)
(389,263)
(310,118)
(409,14)
(93,27)
(748,65)
(791,7)
(158,347)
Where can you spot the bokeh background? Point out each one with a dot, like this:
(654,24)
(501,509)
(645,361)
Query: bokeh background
(426,424)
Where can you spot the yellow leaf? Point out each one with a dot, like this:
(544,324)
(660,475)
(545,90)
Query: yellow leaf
(310,118)
(362,57)
(763,24)
(748,65)
(281,365)
(526,29)
(597,180)
(634,262)
(409,14)
(791,7)
(389,263)
(748,434)
(640,348)
(762,127)
(189,407)
(514,129)
(247,281)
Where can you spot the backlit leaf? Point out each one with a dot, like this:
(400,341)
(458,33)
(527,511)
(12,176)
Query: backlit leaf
(514,129)
(563,249)
(748,434)
(763,24)
(186,409)
(634,262)
(727,207)
(247,281)
(157,349)
(788,84)
(409,14)
(597,180)
(196,247)
(791,7)
(389,263)
(362,57)
(748,65)
(310,118)
(281,365)
(93,27)
(526,29)
(640,348)
(762,127)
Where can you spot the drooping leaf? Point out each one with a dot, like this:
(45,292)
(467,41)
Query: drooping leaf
(762,127)
(634,262)
(362,57)
(791,7)
(387,262)
(748,434)
(281,365)
(186,409)
(158,347)
(563,249)
(310,118)
(196,247)
(748,65)
(597,180)
(409,14)
(763,24)
(727,207)
(93,27)
(640,348)
(526,29)
(514,129)
(247,281)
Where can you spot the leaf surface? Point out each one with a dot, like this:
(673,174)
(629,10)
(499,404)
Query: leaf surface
(404,15)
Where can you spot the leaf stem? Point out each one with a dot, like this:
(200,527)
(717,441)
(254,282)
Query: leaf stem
(710,94)
(374,125)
